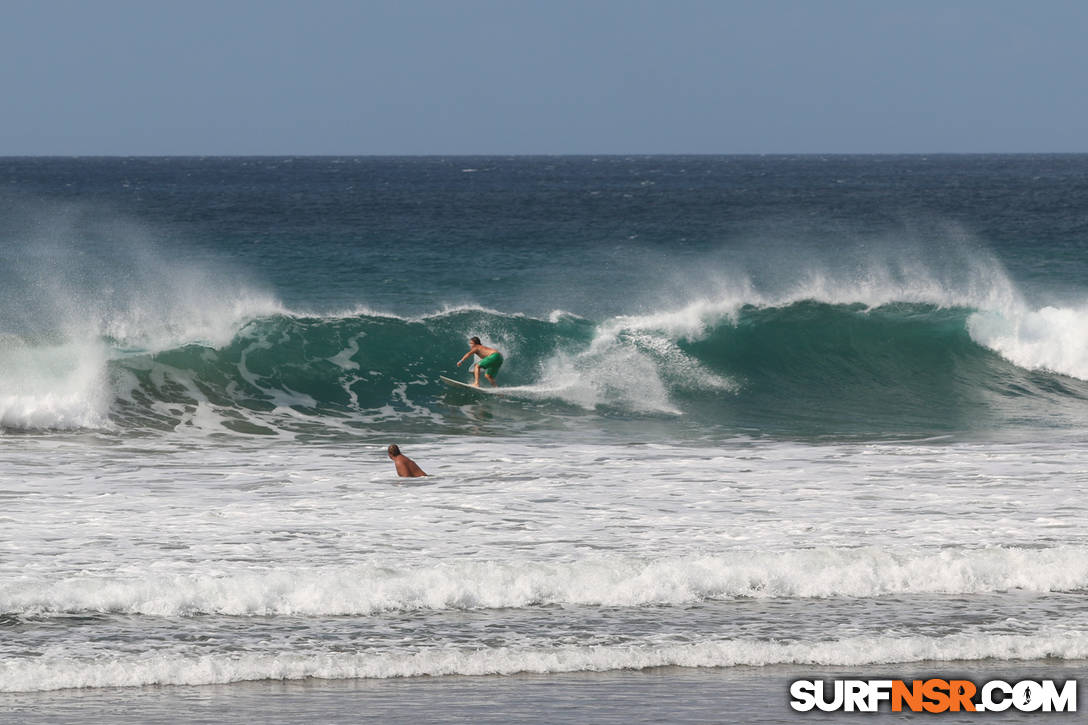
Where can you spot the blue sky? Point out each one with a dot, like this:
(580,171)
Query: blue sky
(113,77)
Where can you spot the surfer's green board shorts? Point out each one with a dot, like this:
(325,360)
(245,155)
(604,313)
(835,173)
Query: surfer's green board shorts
(491,364)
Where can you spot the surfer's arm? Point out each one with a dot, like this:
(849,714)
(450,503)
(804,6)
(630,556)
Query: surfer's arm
(467,354)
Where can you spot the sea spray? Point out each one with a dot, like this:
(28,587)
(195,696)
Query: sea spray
(60,385)
(88,290)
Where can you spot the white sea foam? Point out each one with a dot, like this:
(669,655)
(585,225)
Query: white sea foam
(632,362)
(607,374)
(1050,338)
(602,581)
(56,671)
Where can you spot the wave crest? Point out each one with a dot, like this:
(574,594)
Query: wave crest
(809,365)
(612,582)
(56,672)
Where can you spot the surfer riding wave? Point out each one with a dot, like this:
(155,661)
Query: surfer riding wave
(490,361)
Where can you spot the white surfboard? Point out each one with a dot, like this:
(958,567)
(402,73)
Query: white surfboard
(466,386)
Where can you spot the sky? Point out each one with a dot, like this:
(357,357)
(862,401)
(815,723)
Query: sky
(445,77)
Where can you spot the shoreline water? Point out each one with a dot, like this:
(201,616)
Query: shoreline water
(668,694)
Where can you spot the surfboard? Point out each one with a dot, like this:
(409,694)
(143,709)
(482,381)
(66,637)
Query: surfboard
(466,386)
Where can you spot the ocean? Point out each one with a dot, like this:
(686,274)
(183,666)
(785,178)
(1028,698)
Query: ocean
(761,418)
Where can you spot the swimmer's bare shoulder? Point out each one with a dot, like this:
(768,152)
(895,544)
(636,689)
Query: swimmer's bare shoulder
(406,467)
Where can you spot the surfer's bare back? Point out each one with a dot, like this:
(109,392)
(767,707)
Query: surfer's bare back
(490,360)
(406,467)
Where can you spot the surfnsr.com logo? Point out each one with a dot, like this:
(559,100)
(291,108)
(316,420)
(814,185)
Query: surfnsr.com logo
(933,695)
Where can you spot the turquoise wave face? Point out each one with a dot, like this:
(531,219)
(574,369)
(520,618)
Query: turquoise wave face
(822,368)
(805,368)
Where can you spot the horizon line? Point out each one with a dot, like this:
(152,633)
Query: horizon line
(538,155)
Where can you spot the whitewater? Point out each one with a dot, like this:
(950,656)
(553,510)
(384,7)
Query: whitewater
(729,437)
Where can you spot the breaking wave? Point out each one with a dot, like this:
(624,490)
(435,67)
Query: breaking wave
(802,364)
